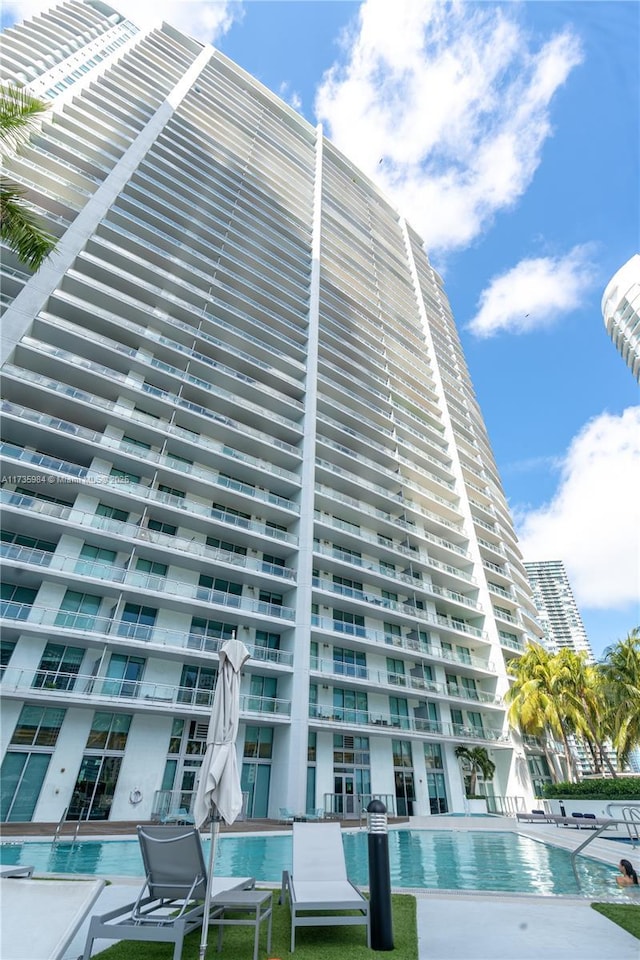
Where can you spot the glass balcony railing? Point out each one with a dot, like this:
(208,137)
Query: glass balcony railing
(83,688)
(413,725)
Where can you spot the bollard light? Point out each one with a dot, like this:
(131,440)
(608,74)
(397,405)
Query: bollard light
(379,877)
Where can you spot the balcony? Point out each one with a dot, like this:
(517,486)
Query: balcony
(32,618)
(80,689)
(354,675)
(379,639)
(375,723)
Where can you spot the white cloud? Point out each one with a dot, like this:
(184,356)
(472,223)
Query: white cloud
(447,107)
(593,521)
(291,97)
(534,293)
(205,20)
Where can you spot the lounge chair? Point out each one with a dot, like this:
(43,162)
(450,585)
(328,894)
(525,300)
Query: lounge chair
(286,815)
(41,918)
(318,882)
(317,814)
(536,816)
(170,904)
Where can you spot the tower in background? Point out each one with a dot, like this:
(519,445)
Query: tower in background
(621,313)
(235,402)
(558,612)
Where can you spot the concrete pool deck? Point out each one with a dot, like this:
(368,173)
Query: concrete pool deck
(493,926)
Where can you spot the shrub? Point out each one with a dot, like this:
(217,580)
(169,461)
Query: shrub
(622,788)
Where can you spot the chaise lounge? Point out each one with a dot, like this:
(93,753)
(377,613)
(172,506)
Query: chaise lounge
(318,887)
(170,904)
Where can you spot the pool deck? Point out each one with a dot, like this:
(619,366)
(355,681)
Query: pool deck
(457,925)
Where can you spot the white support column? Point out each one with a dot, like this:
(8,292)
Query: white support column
(299,731)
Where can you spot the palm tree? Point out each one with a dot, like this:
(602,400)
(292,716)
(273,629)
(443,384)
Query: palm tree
(620,672)
(535,708)
(20,229)
(579,690)
(475,760)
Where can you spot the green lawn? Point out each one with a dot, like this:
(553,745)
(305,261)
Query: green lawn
(312,943)
(626,915)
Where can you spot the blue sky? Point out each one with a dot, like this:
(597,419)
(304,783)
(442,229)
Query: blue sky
(508,134)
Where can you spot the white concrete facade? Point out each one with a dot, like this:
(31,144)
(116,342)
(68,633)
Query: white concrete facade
(621,312)
(235,400)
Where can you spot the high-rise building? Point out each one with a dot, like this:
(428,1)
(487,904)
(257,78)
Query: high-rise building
(235,402)
(558,612)
(621,312)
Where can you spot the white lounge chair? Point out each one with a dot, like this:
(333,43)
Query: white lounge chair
(41,917)
(318,882)
(170,904)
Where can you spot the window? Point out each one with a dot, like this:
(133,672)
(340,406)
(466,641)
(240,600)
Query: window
(346,622)
(270,641)
(392,634)
(399,711)
(273,565)
(226,545)
(6,649)
(395,672)
(151,570)
(38,727)
(388,595)
(220,512)
(267,596)
(227,481)
(59,666)
(20,540)
(433,756)
(78,610)
(350,706)
(136,443)
(111,513)
(209,634)
(208,586)
(262,694)
(345,553)
(346,587)
(161,527)
(387,567)
(349,663)
(123,674)
(124,476)
(16,601)
(95,562)
(137,621)
(171,491)
(109,731)
(402,756)
(197,685)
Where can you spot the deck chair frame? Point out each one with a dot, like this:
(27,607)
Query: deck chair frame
(170,904)
(318,888)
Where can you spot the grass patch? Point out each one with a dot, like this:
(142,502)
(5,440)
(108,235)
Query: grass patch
(312,943)
(626,915)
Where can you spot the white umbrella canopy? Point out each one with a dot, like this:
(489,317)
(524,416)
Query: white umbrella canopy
(219,788)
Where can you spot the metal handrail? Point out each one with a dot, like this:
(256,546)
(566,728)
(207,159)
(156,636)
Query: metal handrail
(61,822)
(602,825)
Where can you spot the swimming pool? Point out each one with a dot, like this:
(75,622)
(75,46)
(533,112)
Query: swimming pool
(426,859)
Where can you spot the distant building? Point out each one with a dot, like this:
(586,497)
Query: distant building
(558,612)
(621,312)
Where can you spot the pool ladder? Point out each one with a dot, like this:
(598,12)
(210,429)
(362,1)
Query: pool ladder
(61,823)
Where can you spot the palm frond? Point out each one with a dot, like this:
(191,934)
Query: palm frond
(20,113)
(20,228)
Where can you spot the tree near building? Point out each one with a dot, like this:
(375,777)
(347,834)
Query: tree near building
(536,705)
(620,671)
(20,228)
(475,762)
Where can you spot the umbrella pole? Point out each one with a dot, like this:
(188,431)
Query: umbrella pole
(207,899)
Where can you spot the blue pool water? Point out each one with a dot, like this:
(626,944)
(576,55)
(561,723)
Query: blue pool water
(440,860)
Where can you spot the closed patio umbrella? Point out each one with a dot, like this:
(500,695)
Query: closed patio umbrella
(219,792)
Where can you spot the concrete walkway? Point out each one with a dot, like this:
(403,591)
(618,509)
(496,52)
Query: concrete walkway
(531,928)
